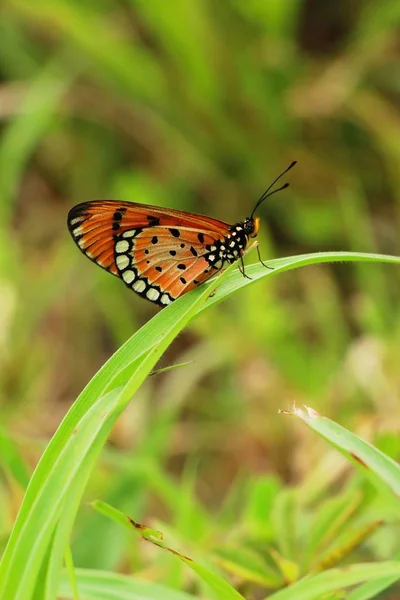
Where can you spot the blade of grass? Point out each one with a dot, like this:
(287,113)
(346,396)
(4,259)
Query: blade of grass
(256,271)
(77,437)
(69,564)
(383,471)
(313,588)
(371,589)
(102,585)
(59,469)
(217,584)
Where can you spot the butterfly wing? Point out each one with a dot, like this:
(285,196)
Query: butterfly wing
(159,253)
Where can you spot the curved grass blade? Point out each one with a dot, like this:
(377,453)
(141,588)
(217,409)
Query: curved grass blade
(380,469)
(257,271)
(102,585)
(371,589)
(66,463)
(63,470)
(218,585)
(314,588)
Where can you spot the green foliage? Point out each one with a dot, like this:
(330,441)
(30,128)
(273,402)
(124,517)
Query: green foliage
(198,105)
(43,527)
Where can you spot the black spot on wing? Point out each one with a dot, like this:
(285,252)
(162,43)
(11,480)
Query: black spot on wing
(153,221)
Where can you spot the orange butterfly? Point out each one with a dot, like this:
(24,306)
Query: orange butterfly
(160,253)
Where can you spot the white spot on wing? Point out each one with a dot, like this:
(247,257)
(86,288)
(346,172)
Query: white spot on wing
(139,286)
(128,276)
(122,261)
(76,221)
(211,257)
(121,246)
(165,299)
(129,234)
(152,294)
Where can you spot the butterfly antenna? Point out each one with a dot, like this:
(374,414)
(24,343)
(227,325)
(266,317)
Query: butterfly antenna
(267,192)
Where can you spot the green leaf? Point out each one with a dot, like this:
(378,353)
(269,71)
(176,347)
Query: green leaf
(218,585)
(102,585)
(53,494)
(256,271)
(62,473)
(379,468)
(312,588)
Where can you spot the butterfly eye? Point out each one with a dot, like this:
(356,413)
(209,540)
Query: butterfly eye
(256,227)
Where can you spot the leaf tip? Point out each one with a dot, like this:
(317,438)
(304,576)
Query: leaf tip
(306,413)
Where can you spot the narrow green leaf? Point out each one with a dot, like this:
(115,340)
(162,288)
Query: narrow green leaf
(112,513)
(383,471)
(102,585)
(218,585)
(313,588)
(256,271)
(66,463)
(62,473)
(69,564)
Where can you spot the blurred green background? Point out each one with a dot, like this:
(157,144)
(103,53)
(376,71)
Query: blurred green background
(198,105)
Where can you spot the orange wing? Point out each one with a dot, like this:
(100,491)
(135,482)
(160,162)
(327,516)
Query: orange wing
(159,253)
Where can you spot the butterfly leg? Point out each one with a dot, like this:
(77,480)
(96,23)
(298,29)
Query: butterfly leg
(241,268)
(261,260)
(215,289)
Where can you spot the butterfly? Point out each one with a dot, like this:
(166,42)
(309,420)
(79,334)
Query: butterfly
(161,253)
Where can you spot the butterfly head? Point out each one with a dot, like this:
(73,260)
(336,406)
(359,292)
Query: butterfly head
(251,226)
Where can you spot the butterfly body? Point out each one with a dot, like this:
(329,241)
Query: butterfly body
(160,253)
